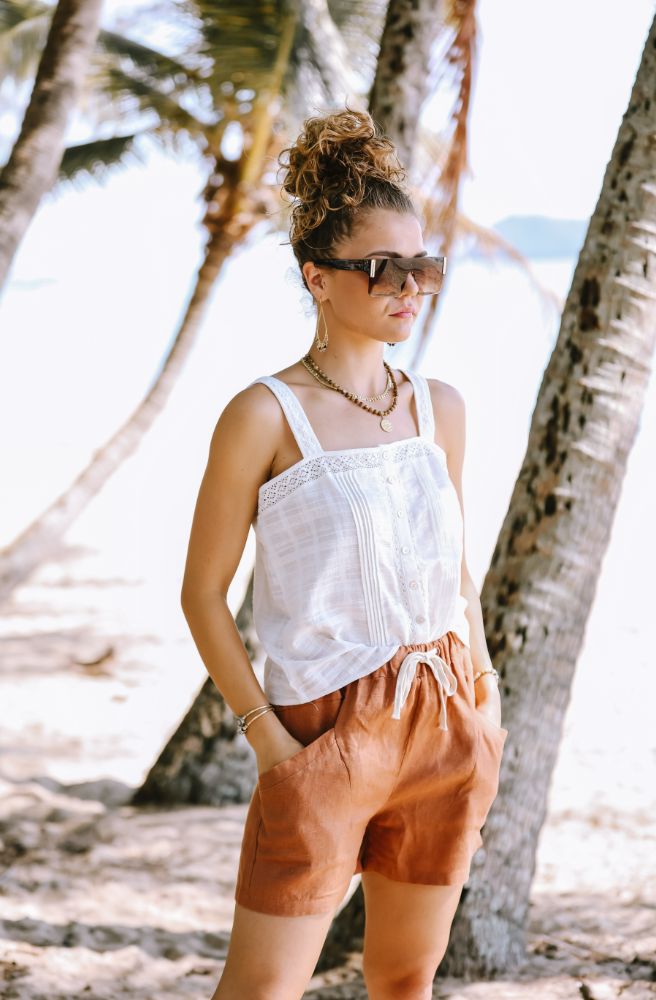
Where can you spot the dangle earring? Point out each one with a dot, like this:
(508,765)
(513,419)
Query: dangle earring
(321,344)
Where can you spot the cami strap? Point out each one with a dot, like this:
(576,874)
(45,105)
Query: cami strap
(301,427)
(423,402)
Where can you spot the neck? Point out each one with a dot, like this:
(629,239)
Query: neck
(363,372)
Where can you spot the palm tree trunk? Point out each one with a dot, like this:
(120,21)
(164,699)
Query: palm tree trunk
(32,166)
(541,583)
(402,81)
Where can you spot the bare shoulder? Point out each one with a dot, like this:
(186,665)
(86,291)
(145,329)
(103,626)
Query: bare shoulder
(449,411)
(249,415)
(246,437)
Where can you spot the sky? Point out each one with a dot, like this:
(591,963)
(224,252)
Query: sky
(552,84)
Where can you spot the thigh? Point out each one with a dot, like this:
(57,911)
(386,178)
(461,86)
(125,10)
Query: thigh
(270,955)
(407,927)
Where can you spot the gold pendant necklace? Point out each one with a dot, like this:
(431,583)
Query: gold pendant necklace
(324,379)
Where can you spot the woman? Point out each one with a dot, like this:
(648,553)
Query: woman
(377,732)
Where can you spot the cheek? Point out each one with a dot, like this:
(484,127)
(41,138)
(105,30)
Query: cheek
(357,308)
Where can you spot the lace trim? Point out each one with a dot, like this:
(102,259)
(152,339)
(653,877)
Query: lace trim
(307,470)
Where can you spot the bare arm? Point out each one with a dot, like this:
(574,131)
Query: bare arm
(241,452)
(450,419)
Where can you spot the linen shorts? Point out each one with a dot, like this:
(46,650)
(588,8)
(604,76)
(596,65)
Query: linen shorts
(369,792)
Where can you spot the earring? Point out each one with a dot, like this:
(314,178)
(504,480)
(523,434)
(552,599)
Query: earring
(321,344)
(391,345)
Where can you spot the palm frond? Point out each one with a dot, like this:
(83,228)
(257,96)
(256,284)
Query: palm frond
(23,35)
(126,95)
(360,26)
(23,31)
(95,159)
(151,62)
(13,12)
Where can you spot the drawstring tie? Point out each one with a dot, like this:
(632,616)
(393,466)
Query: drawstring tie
(444,676)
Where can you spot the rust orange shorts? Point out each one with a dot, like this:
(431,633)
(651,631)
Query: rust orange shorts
(368,791)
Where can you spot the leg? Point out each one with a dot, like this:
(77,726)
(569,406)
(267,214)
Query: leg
(271,957)
(406,933)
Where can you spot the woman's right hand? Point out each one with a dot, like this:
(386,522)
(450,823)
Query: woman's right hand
(271,742)
(277,750)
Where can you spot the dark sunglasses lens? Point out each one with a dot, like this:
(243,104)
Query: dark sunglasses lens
(392,272)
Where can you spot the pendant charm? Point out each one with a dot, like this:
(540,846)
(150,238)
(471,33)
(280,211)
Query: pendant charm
(386,424)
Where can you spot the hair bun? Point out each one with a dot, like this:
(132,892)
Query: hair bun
(332,162)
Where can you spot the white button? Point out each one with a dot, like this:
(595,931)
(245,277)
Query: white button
(399,513)
(385,454)
(390,479)
(420,619)
(406,549)
(414,584)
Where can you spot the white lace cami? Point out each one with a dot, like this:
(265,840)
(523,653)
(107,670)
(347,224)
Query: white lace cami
(358,551)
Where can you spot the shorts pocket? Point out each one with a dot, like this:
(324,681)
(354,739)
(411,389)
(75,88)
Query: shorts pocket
(313,724)
(306,847)
(298,761)
(484,785)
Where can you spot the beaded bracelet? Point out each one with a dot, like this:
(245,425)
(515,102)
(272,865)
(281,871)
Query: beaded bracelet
(489,670)
(242,724)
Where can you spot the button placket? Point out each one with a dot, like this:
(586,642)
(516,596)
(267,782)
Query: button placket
(410,570)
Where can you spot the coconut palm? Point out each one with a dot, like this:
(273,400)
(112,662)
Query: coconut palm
(35,157)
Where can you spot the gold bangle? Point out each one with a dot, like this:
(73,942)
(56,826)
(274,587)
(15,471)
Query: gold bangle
(489,670)
(243,724)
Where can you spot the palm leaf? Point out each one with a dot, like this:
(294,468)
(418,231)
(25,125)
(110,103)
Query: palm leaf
(96,158)
(23,33)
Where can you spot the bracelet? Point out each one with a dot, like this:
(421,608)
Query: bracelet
(489,670)
(242,724)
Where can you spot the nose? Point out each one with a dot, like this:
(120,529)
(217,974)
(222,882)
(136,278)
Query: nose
(410,286)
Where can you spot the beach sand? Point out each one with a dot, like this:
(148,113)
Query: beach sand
(101,900)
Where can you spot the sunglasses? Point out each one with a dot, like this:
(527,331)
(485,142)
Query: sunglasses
(387,274)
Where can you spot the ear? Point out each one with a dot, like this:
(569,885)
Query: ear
(315,279)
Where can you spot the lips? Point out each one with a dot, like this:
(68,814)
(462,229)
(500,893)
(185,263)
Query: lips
(402,312)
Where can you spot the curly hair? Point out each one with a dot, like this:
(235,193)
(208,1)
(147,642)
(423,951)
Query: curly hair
(340,165)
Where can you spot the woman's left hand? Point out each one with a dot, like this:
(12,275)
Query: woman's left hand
(490,706)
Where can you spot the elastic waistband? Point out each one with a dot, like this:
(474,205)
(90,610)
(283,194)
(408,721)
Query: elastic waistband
(403,665)
(442,643)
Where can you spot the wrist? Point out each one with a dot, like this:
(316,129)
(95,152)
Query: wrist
(262,729)
(486,688)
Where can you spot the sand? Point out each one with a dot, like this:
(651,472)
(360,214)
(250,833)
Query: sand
(101,900)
